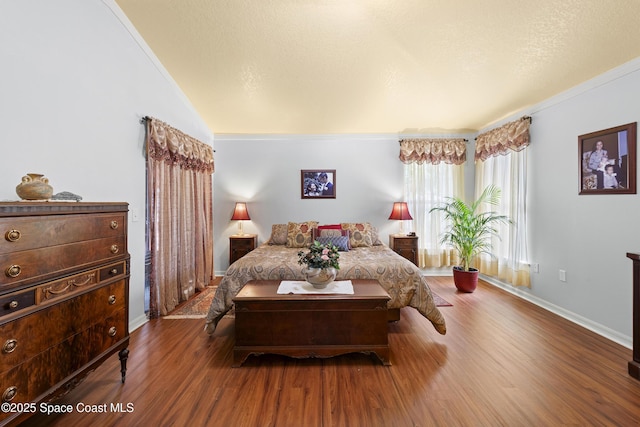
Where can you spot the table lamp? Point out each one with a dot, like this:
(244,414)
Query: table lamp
(400,212)
(240,213)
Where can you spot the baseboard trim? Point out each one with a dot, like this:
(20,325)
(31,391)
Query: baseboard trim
(595,327)
(137,322)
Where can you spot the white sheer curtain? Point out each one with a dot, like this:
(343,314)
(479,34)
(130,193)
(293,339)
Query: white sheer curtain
(425,186)
(508,171)
(433,171)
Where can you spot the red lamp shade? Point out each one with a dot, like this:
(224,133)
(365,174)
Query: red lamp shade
(240,213)
(400,211)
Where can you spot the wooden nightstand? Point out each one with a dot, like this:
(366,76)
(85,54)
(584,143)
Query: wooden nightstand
(406,246)
(239,246)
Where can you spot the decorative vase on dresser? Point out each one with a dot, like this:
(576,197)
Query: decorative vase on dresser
(64,298)
(34,186)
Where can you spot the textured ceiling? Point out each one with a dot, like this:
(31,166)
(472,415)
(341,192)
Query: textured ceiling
(380,66)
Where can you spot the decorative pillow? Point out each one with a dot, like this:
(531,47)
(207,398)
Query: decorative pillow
(278,234)
(375,236)
(299,234)
(329,230)
(360,233)
(341,242)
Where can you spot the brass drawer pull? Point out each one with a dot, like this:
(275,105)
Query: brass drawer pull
(88,279)
(114,271)
(112,299)
(58,291)
(9,394)
(114,249)
(9,346)
(12,235)
(112,331)
(114,225)
(14,304)
(13,271)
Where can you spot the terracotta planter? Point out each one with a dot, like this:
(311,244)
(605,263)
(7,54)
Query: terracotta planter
(465,281)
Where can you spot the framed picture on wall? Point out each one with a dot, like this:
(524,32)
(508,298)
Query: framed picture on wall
(607,161)
(318,183)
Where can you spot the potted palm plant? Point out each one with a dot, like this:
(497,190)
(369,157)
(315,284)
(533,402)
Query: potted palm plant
(469,233)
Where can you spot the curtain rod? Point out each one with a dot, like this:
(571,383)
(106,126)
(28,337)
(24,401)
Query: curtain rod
(400,140)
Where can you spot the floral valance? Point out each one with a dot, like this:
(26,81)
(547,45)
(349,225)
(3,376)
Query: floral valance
(168,144)
(512,136)
(433,150)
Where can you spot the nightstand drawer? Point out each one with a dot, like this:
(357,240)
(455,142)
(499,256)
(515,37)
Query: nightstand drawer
(405,243)
(243,245)
(239,246)
(405,246)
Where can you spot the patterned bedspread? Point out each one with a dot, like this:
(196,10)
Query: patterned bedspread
(399,276)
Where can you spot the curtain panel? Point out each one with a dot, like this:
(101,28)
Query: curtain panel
(512,136)
(510,260)
(180,202)
(434,170)
(433,151)
(503,163)
(426,186)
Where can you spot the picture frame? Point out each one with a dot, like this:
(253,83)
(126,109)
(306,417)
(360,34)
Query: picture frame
(607,160)
(318,183)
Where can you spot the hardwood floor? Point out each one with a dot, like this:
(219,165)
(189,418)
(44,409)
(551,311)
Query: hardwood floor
(503,362)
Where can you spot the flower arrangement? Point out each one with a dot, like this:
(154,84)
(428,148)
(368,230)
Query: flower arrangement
(320,256)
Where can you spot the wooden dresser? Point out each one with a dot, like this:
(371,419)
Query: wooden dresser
(64,298)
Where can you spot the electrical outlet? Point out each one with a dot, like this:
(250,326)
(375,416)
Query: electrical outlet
(562,275)
(535,267)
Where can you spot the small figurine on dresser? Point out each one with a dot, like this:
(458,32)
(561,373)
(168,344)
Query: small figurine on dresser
(66,196)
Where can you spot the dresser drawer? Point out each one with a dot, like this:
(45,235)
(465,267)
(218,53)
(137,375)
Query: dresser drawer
(78,282)
(36,264)
(20,385)
(113,271)
(15,302)
(27,336)
(24,233)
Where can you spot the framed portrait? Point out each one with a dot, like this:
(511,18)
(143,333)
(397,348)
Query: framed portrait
(607,161)
(318,183)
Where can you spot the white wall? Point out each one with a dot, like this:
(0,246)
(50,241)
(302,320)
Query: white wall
(264,171)
(588,236)
(74,82)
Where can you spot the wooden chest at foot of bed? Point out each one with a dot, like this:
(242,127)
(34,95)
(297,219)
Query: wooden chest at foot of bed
(310,325)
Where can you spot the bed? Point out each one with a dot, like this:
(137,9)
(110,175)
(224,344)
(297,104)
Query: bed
(365,257)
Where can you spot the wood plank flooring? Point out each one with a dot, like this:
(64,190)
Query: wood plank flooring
(503,362)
